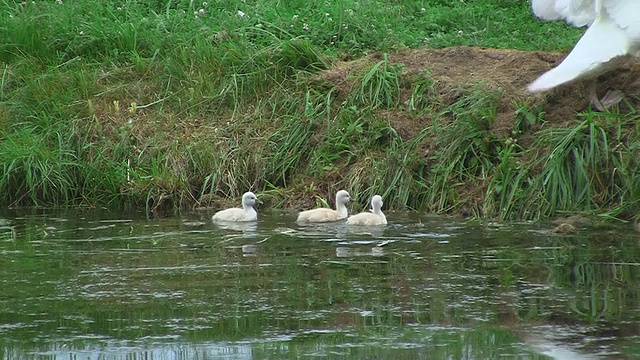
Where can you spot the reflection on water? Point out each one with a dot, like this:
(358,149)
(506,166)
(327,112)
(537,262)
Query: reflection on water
(345,252)
(156,351)
(248,227)
(102,285)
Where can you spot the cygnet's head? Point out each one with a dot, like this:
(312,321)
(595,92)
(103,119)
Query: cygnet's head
(250,199)
(376,202)
(343,197)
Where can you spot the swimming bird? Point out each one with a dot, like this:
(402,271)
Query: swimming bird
(612,35)
(320,215)
(375,217)
(247,213)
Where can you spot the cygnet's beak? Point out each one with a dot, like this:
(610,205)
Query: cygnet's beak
(258,202)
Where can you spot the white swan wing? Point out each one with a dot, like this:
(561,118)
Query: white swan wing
(626,15)
(575,12)
(613,34)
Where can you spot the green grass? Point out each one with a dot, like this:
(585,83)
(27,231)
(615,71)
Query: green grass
(467,148)
(167,102)
(380,86)
(589,165)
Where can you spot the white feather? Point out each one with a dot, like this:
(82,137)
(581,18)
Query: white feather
(614,32)
(575,12)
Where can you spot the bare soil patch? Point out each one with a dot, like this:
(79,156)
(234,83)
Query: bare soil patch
(511,70)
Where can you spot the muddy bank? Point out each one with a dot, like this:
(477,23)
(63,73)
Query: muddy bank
(455,68)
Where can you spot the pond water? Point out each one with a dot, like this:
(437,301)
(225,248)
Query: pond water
(94,284)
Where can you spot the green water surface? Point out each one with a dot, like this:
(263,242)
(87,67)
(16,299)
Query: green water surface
(94,284)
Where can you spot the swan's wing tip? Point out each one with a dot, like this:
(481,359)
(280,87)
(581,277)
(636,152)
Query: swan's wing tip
(537,87)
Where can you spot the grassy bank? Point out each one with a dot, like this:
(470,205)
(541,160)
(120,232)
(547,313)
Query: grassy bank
(172,103)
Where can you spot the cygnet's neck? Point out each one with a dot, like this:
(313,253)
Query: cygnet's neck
(248,209)
(341,208)
(378,211)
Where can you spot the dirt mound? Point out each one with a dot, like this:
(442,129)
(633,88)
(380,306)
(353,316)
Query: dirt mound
(511,70)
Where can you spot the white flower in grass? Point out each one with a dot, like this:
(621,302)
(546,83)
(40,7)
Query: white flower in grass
(460,33)
(295,17)
(59,2)
(423,10)
(305,27)
(241,14)
(200,13)
(205,4)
